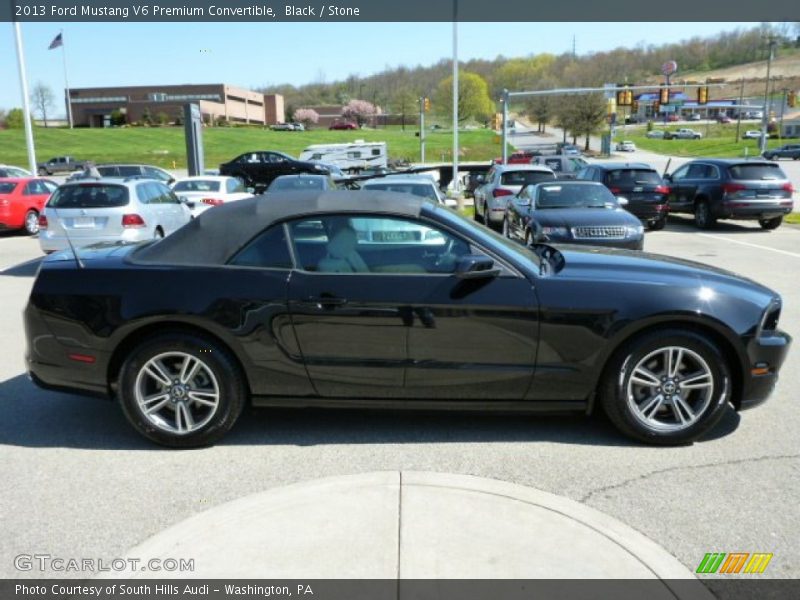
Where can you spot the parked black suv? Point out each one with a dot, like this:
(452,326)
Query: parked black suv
(716,188)
(258,169)
(785,151)
(639,183)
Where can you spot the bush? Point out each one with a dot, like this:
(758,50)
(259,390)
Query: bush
(118,118)
(162,118)
(15,119)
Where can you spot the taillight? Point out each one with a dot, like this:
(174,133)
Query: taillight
(662,189)
(133,220)
(212,201)
(732,188)
(661,207)
(614,190)
(788,187)
(501,192)
(4,202)
(42,222)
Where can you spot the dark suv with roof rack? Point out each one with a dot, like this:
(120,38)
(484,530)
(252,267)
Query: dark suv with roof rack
(716,188)
(639,183)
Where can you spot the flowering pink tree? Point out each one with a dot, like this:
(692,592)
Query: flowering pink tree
(306,116)
(359,111)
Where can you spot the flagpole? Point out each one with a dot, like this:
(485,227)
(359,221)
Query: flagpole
(66,80)
(26,106)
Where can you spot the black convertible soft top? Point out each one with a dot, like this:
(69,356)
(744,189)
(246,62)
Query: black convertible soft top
(214,236)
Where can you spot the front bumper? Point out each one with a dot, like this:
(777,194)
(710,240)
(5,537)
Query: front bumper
(766,353)
(631,243)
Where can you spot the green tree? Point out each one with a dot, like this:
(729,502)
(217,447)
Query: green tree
(582,115)
(42,98)
(15,119)
(406,104)
(473,98)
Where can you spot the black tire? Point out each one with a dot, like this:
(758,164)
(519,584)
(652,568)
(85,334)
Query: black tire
(506,231)
(42,172)
(618,404)
(702,215)
(658,224)
(773,223)
(772,157)
(476,215)
(31,222)
(227,377)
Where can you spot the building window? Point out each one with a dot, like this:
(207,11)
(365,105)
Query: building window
(93,99)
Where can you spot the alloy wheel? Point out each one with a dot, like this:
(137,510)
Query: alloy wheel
(177,392)
(32,222)
(670,388)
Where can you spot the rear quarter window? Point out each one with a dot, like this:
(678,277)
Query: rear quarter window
(89,196)
(758,171)
(6,187)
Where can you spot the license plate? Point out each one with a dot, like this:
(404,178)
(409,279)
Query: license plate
(83,222)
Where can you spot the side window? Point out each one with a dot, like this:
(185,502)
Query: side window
(696,171)
(376,152)
(156,174)
(145,193)
(234,186)
(49,186)
(129,171)
(372,244)
(680,173)
(268,250)
(583,174)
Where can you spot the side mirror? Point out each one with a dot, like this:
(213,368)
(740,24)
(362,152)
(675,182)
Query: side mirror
(476,266)
(622,201)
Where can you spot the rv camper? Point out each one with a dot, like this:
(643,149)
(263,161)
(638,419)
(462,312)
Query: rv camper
(348,157)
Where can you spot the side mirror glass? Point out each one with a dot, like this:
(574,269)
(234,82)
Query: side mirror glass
(476,266)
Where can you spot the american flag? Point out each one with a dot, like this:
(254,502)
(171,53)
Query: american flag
(57,41)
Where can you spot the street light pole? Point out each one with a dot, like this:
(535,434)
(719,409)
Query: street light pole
(765,116)
(505,126)
(455,98)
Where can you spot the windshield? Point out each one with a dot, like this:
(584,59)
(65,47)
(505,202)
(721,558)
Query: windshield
(757,171)
(574,196)
(525,177)
(89,196)
(415,189)
(197,185)
(6,187)
(621,177)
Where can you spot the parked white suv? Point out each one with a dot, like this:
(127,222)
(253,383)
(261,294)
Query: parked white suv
(109,210)
(502,183)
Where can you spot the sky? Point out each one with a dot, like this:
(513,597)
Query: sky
(259,54)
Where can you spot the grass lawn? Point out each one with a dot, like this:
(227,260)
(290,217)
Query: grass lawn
(793,218)
(165,146)
(717,140)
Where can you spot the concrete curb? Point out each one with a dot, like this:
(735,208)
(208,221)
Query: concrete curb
(412,525)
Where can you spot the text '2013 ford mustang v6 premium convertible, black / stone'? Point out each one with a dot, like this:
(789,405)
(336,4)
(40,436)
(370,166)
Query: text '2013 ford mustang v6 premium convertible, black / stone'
(341,299)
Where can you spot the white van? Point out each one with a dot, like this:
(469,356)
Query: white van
(348,157)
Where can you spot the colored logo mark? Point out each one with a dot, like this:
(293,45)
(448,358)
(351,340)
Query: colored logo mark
(734,563)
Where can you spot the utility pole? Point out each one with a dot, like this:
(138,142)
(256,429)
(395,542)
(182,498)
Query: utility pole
(739,117)
(26,106)
(505,126)
(456,187)
(783,105)
(422,129)
(765,119)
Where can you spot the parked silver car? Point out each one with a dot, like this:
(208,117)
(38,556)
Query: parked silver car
(109,210)
(416,185)
(502,183)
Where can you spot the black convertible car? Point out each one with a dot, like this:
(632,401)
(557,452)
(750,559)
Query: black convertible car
(341,299)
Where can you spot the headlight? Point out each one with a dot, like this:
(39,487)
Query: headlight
(555,231)
(635,230)
(319,167)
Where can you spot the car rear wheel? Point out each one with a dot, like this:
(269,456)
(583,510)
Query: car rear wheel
(702,215)
(773,223)
(667,387)
(31,222)
(181,390)
(658,224)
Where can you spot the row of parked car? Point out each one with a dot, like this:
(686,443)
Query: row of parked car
(517,199)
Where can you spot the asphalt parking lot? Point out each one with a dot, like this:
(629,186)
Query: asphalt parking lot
(78,481)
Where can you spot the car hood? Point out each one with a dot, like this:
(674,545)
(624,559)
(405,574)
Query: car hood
(610,264)
(574,217)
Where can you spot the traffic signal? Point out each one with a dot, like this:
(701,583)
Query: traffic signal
(702,95)
(791,99)
(427,104)
(663,97)
(624,97)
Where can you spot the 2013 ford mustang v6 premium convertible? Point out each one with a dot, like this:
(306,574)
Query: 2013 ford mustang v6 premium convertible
(354,300)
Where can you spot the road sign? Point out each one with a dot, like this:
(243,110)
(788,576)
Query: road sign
(669,68)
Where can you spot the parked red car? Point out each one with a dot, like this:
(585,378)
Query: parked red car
(673,118)
(343,125)
(520,157)
(22,199)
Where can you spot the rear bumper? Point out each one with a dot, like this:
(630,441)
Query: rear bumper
(50,242)
(768,351)
(759,209)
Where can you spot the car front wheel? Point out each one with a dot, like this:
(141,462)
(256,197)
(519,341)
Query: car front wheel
(667,387)
(181,390)
(658,224)
(773,223)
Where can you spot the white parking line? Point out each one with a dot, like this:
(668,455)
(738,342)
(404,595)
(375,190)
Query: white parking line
(727,239)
